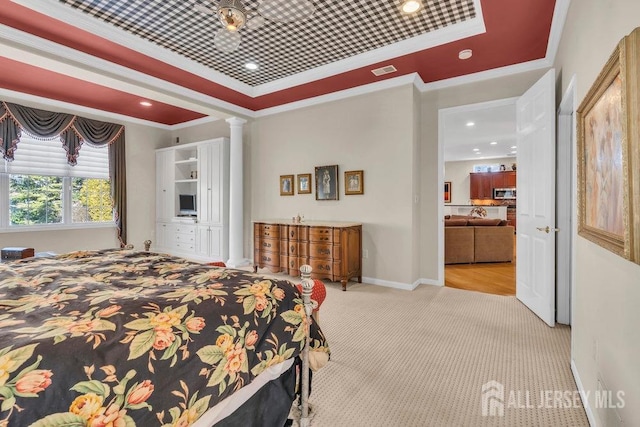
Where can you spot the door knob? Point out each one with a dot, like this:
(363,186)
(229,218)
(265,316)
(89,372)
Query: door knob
(547,229)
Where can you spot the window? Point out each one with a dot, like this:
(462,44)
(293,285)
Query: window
(40,189)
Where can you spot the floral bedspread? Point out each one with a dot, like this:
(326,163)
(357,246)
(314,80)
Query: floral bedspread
(124,338)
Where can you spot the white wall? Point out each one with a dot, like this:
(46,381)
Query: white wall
(606,315)
(373,132)
(458,174)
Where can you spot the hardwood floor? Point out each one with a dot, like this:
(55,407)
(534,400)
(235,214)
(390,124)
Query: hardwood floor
(492,278)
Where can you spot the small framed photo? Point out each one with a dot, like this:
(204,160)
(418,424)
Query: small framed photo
(327,182)
(286,185)
(304,183)
(353,182)
(447,191)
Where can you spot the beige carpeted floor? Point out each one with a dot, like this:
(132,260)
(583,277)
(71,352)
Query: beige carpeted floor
(420,358)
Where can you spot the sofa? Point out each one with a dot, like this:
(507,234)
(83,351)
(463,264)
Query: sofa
(470,240)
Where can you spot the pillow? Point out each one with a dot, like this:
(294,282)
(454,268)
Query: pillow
(503,222)
(461,217)
(484,222)
(459,222)
(447,217)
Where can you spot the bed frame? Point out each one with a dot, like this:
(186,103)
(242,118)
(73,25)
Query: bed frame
(307,287)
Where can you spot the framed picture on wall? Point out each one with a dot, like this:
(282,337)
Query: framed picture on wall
(304,183)
(447,191)
(354,182)
(327,182)
(286,185)
(607,168)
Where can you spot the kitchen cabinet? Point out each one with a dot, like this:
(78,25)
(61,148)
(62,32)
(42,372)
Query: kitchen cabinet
(481,184)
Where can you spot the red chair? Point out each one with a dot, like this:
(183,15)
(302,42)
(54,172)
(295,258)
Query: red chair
(318,294)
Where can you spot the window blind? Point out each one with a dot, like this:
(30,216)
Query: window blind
(37,157)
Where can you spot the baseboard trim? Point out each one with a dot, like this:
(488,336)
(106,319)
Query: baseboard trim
(431,282)
(585,402)
(389,284)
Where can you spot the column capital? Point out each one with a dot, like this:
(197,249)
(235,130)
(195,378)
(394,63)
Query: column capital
(236,121)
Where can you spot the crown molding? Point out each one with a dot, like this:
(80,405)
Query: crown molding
(85,22)
(560,11)
(43,53)
(17,97)
(95,26)
(445,35)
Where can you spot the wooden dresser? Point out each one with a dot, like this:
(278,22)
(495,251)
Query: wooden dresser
(332,249)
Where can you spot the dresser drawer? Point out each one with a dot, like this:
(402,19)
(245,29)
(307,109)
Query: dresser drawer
(321,234)
(294,232)
(185,246)
(269,230)
(267,244)
(321,267)
(185,238)
(289,248)
(269,258)
(185,229)
(321,250)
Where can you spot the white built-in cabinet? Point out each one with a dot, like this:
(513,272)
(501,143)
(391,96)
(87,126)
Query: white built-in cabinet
(200,168)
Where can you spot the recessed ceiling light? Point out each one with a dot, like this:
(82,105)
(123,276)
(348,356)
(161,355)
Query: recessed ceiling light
(493,143)
(513,147)
(465,54)
(514,152)
(411,6)
(146,103)
(476,149)
(477,152)
(469,124)
(251,66)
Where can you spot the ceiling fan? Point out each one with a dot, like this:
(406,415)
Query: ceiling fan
(233,15)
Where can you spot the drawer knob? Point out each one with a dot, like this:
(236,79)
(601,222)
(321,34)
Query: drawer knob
(293,249)
(324,251)
(292,233)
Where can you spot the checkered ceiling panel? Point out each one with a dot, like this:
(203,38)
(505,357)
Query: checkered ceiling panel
(336,30)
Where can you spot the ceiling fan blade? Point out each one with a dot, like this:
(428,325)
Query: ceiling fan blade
(227,41)
(255,22)
(286,10)
(203,9)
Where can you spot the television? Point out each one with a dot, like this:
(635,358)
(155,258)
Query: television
(187,205)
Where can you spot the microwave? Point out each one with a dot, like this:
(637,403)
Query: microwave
(504,193)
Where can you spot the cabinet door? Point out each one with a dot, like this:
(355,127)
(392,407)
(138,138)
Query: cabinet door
(497,180)
(212,183)
(510,179)
(164,235)
(165,194)
(480,186)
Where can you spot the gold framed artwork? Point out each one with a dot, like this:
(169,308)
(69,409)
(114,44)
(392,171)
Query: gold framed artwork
(609,154)
(304,183)
(286,185)
(327,182)
(353,182)
(447,191)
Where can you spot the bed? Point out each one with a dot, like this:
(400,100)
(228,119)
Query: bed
(128,338)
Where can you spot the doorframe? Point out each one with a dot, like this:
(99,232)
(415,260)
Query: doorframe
(567,143)
(442,113)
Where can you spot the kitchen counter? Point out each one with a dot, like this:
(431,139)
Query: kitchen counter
(492,211)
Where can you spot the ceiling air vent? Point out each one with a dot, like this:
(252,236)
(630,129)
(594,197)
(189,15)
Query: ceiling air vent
(384,70)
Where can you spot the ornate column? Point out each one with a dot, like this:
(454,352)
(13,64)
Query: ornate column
(236,209)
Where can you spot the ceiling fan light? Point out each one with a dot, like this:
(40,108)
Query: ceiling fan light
(232,14)
(226,41)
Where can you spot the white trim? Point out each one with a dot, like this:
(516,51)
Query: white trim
(52,103)
(430,282)
(335,96)
(95,26)
(196,122)
(389,284)
(462,30)
(560,12)
(52,56)
(583,395)
(85,22)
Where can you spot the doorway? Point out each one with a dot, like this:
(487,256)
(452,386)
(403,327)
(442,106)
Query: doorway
(479,155)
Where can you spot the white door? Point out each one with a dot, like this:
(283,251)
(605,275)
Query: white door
(536,239)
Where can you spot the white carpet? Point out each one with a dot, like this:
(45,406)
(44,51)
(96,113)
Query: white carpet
(420,358)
